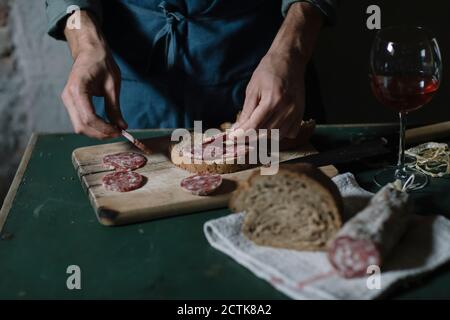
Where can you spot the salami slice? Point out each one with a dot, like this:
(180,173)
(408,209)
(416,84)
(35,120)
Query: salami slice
(235,151)
(215,150)
(123,181)
(221,137)
(201,184)
(124,161)
(369,237)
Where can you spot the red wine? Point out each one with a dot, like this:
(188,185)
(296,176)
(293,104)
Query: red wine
(404,93)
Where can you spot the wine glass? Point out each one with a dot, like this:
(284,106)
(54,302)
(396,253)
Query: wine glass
(405,73)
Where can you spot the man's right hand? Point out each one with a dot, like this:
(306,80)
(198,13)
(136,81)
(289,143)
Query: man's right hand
(94,73)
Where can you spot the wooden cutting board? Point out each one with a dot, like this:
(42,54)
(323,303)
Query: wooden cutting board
(161,196)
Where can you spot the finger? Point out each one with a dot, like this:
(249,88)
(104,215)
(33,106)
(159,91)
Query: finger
(259,116)
(77,124)
(281,120)
(288,128)
(88,117)
(102,128)
(251,101)
(92,133)
(112,106)
(73,115)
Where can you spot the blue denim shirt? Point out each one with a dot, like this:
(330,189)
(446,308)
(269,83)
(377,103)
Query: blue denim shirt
(57,10)
(184,60)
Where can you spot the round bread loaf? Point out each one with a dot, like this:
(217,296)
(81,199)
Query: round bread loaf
(299,208)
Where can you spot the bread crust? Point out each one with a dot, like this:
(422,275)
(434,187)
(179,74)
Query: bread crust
(205,166)
(295,169)
(300,170)
(220,167)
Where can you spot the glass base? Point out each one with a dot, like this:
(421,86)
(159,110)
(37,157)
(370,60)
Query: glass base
(392,174)
(409,161)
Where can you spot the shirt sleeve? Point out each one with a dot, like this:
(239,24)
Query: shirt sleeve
(58,10)
(327,7)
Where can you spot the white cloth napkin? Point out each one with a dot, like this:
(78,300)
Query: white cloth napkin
(308,275)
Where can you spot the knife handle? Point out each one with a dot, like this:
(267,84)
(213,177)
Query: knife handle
(427,133)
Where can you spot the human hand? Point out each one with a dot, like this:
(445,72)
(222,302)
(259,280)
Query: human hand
(94,73)
(275,95)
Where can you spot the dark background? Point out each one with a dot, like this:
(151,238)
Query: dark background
(342,59)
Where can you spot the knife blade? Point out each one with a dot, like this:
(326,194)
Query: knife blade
(138,144)
(346,154)
(375,147)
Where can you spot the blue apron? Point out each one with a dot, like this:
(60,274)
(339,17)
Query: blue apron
(186,60)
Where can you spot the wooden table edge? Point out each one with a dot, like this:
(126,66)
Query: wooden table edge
(10,196)
(332,125)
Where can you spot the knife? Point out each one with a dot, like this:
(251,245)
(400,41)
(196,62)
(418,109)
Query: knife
(375,147)
(138,144)
(346,154)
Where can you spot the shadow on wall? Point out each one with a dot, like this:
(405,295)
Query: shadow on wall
(342,58)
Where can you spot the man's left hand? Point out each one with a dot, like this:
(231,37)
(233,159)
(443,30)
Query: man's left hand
(275,95)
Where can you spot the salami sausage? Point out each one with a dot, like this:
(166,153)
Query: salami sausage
(123,181)
(368,238)
(216,149)
(124,161)
(201,184)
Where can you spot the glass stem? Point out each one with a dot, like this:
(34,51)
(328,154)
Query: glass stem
(401,172)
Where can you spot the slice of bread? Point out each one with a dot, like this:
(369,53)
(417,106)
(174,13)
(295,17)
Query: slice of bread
(184,159)
(181,157)
(299,208)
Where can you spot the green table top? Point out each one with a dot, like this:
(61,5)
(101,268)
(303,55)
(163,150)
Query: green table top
(51,225)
